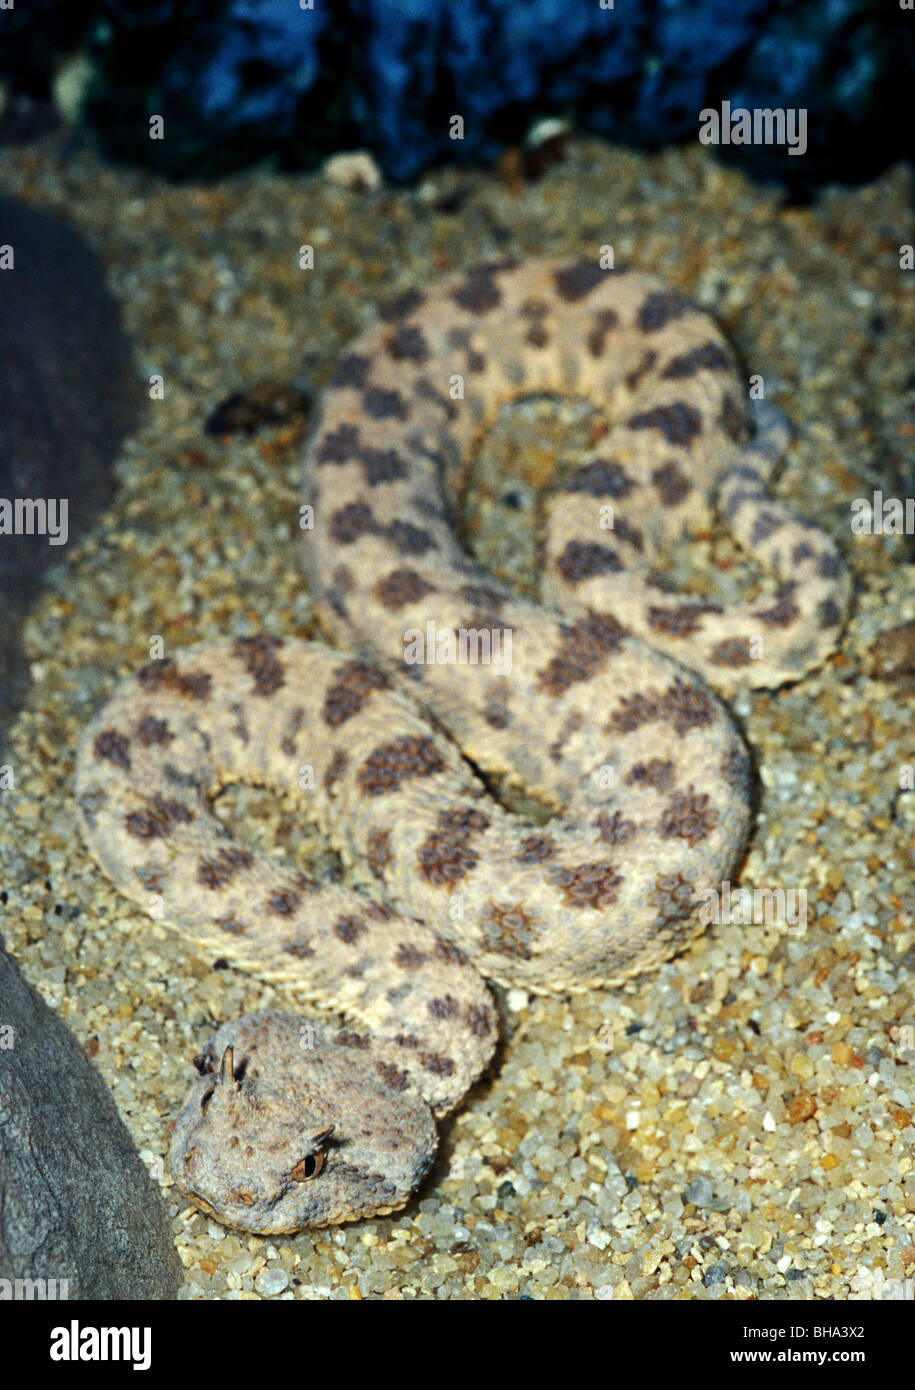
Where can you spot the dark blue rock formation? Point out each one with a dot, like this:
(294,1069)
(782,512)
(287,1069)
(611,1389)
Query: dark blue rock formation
(239,80)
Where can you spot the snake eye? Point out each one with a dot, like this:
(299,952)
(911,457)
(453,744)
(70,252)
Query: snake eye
(311,1165)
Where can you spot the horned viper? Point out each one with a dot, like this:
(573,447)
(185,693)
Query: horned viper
(604,712)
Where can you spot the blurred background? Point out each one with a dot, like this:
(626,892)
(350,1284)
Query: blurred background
(291,80)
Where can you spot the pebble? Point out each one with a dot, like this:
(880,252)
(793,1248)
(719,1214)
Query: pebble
(700,1192)
(893,653)
(355,170)
(271,1281)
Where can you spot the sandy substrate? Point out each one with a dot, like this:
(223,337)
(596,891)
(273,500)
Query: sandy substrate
(739,1123)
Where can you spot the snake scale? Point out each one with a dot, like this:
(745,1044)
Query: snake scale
(604,714)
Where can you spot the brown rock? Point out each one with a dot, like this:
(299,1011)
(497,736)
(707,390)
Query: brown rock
(893,652)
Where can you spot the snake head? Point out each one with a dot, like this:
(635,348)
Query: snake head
(276,1136)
